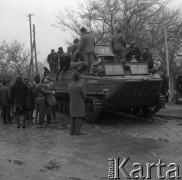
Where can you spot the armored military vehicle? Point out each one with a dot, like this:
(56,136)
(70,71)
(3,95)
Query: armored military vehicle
(121,87)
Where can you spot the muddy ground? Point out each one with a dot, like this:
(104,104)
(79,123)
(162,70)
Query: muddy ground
(25,152)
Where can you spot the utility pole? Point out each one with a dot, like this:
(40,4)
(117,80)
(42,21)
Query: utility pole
(31,49)
(35,50)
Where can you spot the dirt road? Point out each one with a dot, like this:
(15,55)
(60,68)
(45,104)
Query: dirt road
(25,152)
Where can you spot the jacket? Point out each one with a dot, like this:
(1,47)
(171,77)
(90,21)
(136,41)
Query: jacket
(87,43)
(40,91)
(52,58)
(77,97)
(30,100)
(118,42)
(5,97)
(133,52)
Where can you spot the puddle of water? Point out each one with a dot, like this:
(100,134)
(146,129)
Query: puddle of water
(18,162)
(73,178)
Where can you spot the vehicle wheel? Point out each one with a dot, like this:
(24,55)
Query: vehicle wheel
(64,107)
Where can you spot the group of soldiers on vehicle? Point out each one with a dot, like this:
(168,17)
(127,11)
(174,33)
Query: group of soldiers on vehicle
(81,55)
(124,52)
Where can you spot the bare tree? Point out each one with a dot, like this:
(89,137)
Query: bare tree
(16,56)
(141,22)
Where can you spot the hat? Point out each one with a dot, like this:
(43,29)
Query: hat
(76,41)
(37,78)
(76,77)
(83,29)
(52,50)
(60,48)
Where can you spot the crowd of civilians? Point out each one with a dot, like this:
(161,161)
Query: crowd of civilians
(24,101)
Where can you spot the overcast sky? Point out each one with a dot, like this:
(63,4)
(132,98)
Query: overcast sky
(15,25)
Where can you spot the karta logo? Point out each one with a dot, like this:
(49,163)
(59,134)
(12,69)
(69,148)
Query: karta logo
(117,170)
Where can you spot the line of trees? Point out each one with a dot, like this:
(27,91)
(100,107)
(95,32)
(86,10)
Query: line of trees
(141,21)
(15,60)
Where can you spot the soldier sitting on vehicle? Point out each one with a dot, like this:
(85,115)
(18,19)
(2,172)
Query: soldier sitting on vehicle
(52,59)
(147,56)
(46,71)
(64,61)
(134,53)
(77,61)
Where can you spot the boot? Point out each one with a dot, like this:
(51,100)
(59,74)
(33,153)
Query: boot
(24,119)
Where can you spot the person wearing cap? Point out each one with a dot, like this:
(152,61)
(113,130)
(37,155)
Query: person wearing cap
(118,44)
(77,106)
(147,56)
(40,100)
(87,47)
(19,93)
(5,99)
(134,53)
(52,59)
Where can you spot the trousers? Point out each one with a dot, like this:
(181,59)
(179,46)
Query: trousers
(119,56)
(5,110)
(89,62)
(42,109)
(75,127)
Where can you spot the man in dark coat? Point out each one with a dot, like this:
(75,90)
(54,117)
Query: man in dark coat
(118,44)
(147,56)
(5,99)
(30,101)
(19,93)
(64,62)
(52,59)
(77,106)
(87,47)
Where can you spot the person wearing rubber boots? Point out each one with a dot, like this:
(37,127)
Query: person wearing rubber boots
(77,106)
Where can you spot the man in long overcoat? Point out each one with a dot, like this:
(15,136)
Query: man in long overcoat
(77,106)
(19,93)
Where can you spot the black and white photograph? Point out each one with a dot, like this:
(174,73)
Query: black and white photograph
(90,89)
